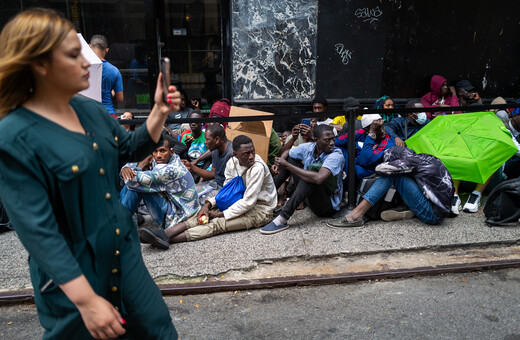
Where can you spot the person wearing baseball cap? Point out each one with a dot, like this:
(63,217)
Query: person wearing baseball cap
(340,122)
(467,93)
(371,143)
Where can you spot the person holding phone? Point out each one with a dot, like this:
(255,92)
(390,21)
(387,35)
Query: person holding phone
(59,154)
(300,133)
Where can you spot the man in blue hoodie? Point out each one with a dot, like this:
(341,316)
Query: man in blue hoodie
(402,128)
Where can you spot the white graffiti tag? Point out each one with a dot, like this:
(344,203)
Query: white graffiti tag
(344,54)
(368,14)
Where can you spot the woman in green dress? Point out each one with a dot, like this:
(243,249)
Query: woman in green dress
(58,159)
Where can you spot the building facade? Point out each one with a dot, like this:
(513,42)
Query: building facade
(279,54)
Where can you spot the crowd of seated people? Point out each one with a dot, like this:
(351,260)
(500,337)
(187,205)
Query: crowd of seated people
(307,166)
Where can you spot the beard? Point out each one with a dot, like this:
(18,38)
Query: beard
(381,133)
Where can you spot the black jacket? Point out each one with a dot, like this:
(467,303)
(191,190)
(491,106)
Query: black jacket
(432,177)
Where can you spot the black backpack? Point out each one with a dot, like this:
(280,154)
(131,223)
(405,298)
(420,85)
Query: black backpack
(503,203)
(391,200)
(5,224)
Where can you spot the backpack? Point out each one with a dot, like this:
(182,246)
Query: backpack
(503,203)
(220,108)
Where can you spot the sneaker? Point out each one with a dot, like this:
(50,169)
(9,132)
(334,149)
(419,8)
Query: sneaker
(156,237)
(455,205)
(393,168)
(272,228)
(396,215)
(472,203)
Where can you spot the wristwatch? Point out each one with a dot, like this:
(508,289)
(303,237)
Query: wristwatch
(372,135)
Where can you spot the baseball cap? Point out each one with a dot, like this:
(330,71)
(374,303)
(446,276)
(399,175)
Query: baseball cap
(367,119)
(350,102)
(465,84)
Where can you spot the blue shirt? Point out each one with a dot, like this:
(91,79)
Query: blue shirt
(333,161)
(110,80)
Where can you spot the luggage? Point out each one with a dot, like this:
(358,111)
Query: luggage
(391,200)
(503,204)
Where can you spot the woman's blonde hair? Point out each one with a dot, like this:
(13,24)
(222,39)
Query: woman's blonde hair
(28,37)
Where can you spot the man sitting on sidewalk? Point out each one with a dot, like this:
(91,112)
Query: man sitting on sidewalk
(402,128)
(253,210)
(165,185)
(196,142)
(316,169)
(221,151)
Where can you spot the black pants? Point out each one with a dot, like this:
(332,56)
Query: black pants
(317,198)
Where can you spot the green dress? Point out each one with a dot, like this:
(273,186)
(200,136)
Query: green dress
(59,190)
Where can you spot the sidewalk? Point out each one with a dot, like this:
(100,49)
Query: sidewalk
(308,238)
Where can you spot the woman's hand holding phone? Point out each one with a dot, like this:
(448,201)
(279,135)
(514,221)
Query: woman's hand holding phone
(173,97)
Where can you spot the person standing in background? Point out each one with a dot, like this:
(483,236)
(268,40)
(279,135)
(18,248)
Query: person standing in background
(111,80)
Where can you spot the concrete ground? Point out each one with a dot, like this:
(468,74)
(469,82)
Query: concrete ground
(307,238)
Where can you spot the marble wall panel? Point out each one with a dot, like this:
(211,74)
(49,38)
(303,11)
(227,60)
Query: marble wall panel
(274,48)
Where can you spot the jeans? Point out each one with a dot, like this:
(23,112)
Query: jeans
(409,191)
(317,197)
(361,172)
(156,204)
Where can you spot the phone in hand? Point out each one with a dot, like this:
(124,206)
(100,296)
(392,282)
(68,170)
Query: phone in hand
(306,121)
(165,70)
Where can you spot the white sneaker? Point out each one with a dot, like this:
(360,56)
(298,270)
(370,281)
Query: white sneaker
(472,203)
(456,205)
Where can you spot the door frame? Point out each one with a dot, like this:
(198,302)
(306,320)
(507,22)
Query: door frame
(155,28)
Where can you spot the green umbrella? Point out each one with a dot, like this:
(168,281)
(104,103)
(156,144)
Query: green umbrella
(471,145)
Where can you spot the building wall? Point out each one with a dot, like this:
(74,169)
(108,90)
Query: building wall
(274,48)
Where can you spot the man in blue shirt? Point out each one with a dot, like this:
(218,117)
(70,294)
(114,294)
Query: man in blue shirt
(111,79)
(316,169)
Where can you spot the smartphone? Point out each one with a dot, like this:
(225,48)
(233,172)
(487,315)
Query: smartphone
(165,70)
(306,121)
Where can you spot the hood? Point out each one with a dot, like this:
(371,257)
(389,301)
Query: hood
(436,84)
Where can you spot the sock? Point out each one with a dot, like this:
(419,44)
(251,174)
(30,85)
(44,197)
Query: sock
(280,220)
(476,193)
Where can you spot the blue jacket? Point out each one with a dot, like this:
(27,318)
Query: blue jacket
(396,128)
(368,154)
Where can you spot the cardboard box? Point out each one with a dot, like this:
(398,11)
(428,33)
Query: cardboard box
(95,69)
(259,132)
